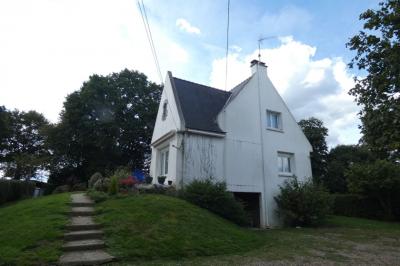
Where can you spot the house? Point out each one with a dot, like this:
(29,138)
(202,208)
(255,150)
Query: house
(246,137)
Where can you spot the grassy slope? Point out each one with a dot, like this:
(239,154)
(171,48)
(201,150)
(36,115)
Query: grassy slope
(30,230)
(160,230)
(157,226)
(344,240)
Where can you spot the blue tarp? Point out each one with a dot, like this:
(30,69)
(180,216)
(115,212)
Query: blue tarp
(138,174)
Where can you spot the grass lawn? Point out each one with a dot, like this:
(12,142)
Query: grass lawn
(152,226)
(31,230)
(161,230)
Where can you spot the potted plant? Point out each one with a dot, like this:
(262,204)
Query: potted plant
(149,179)
(169,182)
(161,179)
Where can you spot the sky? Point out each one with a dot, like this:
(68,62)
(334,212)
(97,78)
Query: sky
(48,48)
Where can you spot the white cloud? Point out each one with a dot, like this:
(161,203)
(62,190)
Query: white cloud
(310,87)
(49,48)
(184,25)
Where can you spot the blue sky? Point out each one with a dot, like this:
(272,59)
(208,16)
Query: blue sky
(48,48)
(326,25)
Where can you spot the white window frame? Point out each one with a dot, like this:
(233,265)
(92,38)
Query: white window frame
(270,123)
(164,161)
(288,168)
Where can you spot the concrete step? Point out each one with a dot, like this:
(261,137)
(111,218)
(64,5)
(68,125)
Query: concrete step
(83,227)
(81,204)
(81,211)
(82,223)
(90,257)
(82,245)
(83,235)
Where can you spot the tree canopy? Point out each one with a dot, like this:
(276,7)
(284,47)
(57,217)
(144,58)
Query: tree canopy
(340,159)
(316,134)
(377,49)
(22,143)
(106,124)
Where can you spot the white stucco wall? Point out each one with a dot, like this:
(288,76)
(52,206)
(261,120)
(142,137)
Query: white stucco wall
(172,123)
(203,157)
(243,150)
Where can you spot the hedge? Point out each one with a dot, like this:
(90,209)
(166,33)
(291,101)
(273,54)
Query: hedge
(11,190)
(358,206)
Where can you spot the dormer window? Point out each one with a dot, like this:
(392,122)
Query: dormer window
(165,110)
(274,120)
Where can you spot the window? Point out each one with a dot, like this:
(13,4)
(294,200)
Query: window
(164,162)
(285,163)
(274,120)
(165,110)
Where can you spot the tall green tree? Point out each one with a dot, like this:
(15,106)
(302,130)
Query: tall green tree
(377,49)
(106,124)
(340,159)
(5,129)
(316,134)
(23,151)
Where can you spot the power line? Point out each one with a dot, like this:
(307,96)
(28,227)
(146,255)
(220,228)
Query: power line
(227,48)
(149,37)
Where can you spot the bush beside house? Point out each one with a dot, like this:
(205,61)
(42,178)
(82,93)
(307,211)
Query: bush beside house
(303,203)
(214,197)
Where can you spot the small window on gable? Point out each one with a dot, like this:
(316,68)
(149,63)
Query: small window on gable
(285,163)
(274,120)
(164,110)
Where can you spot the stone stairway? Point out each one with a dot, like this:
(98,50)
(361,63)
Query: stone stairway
(83,241)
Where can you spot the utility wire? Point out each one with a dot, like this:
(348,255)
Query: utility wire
(149,37)
(227,48)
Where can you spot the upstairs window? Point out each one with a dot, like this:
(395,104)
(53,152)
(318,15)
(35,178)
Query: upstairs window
(164,110)
(285,163)
(274,120)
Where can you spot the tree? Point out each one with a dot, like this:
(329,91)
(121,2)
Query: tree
(23,150)
(340,159)
(379,180)
(316,133)
(5,129)
(378,53)
(106,124)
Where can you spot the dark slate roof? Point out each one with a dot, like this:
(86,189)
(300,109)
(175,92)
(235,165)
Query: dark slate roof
(200,104)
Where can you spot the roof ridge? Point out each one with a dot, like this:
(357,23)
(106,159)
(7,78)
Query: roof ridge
(208,87)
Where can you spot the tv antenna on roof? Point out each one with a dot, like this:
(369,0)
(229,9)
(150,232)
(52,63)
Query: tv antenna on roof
(259,44)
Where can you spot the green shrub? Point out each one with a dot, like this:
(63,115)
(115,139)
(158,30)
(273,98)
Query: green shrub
(94,178)
(61,189)
(214,197)
(121,173)
(157,189)
(11,190)
(113,187)
(97,196)
(354,205)
(79,187)
(102,184)
(380,181)
(303,203)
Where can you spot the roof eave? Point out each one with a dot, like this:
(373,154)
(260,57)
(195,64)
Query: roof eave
(177,101)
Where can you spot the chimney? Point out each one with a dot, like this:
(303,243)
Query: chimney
(254,64)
